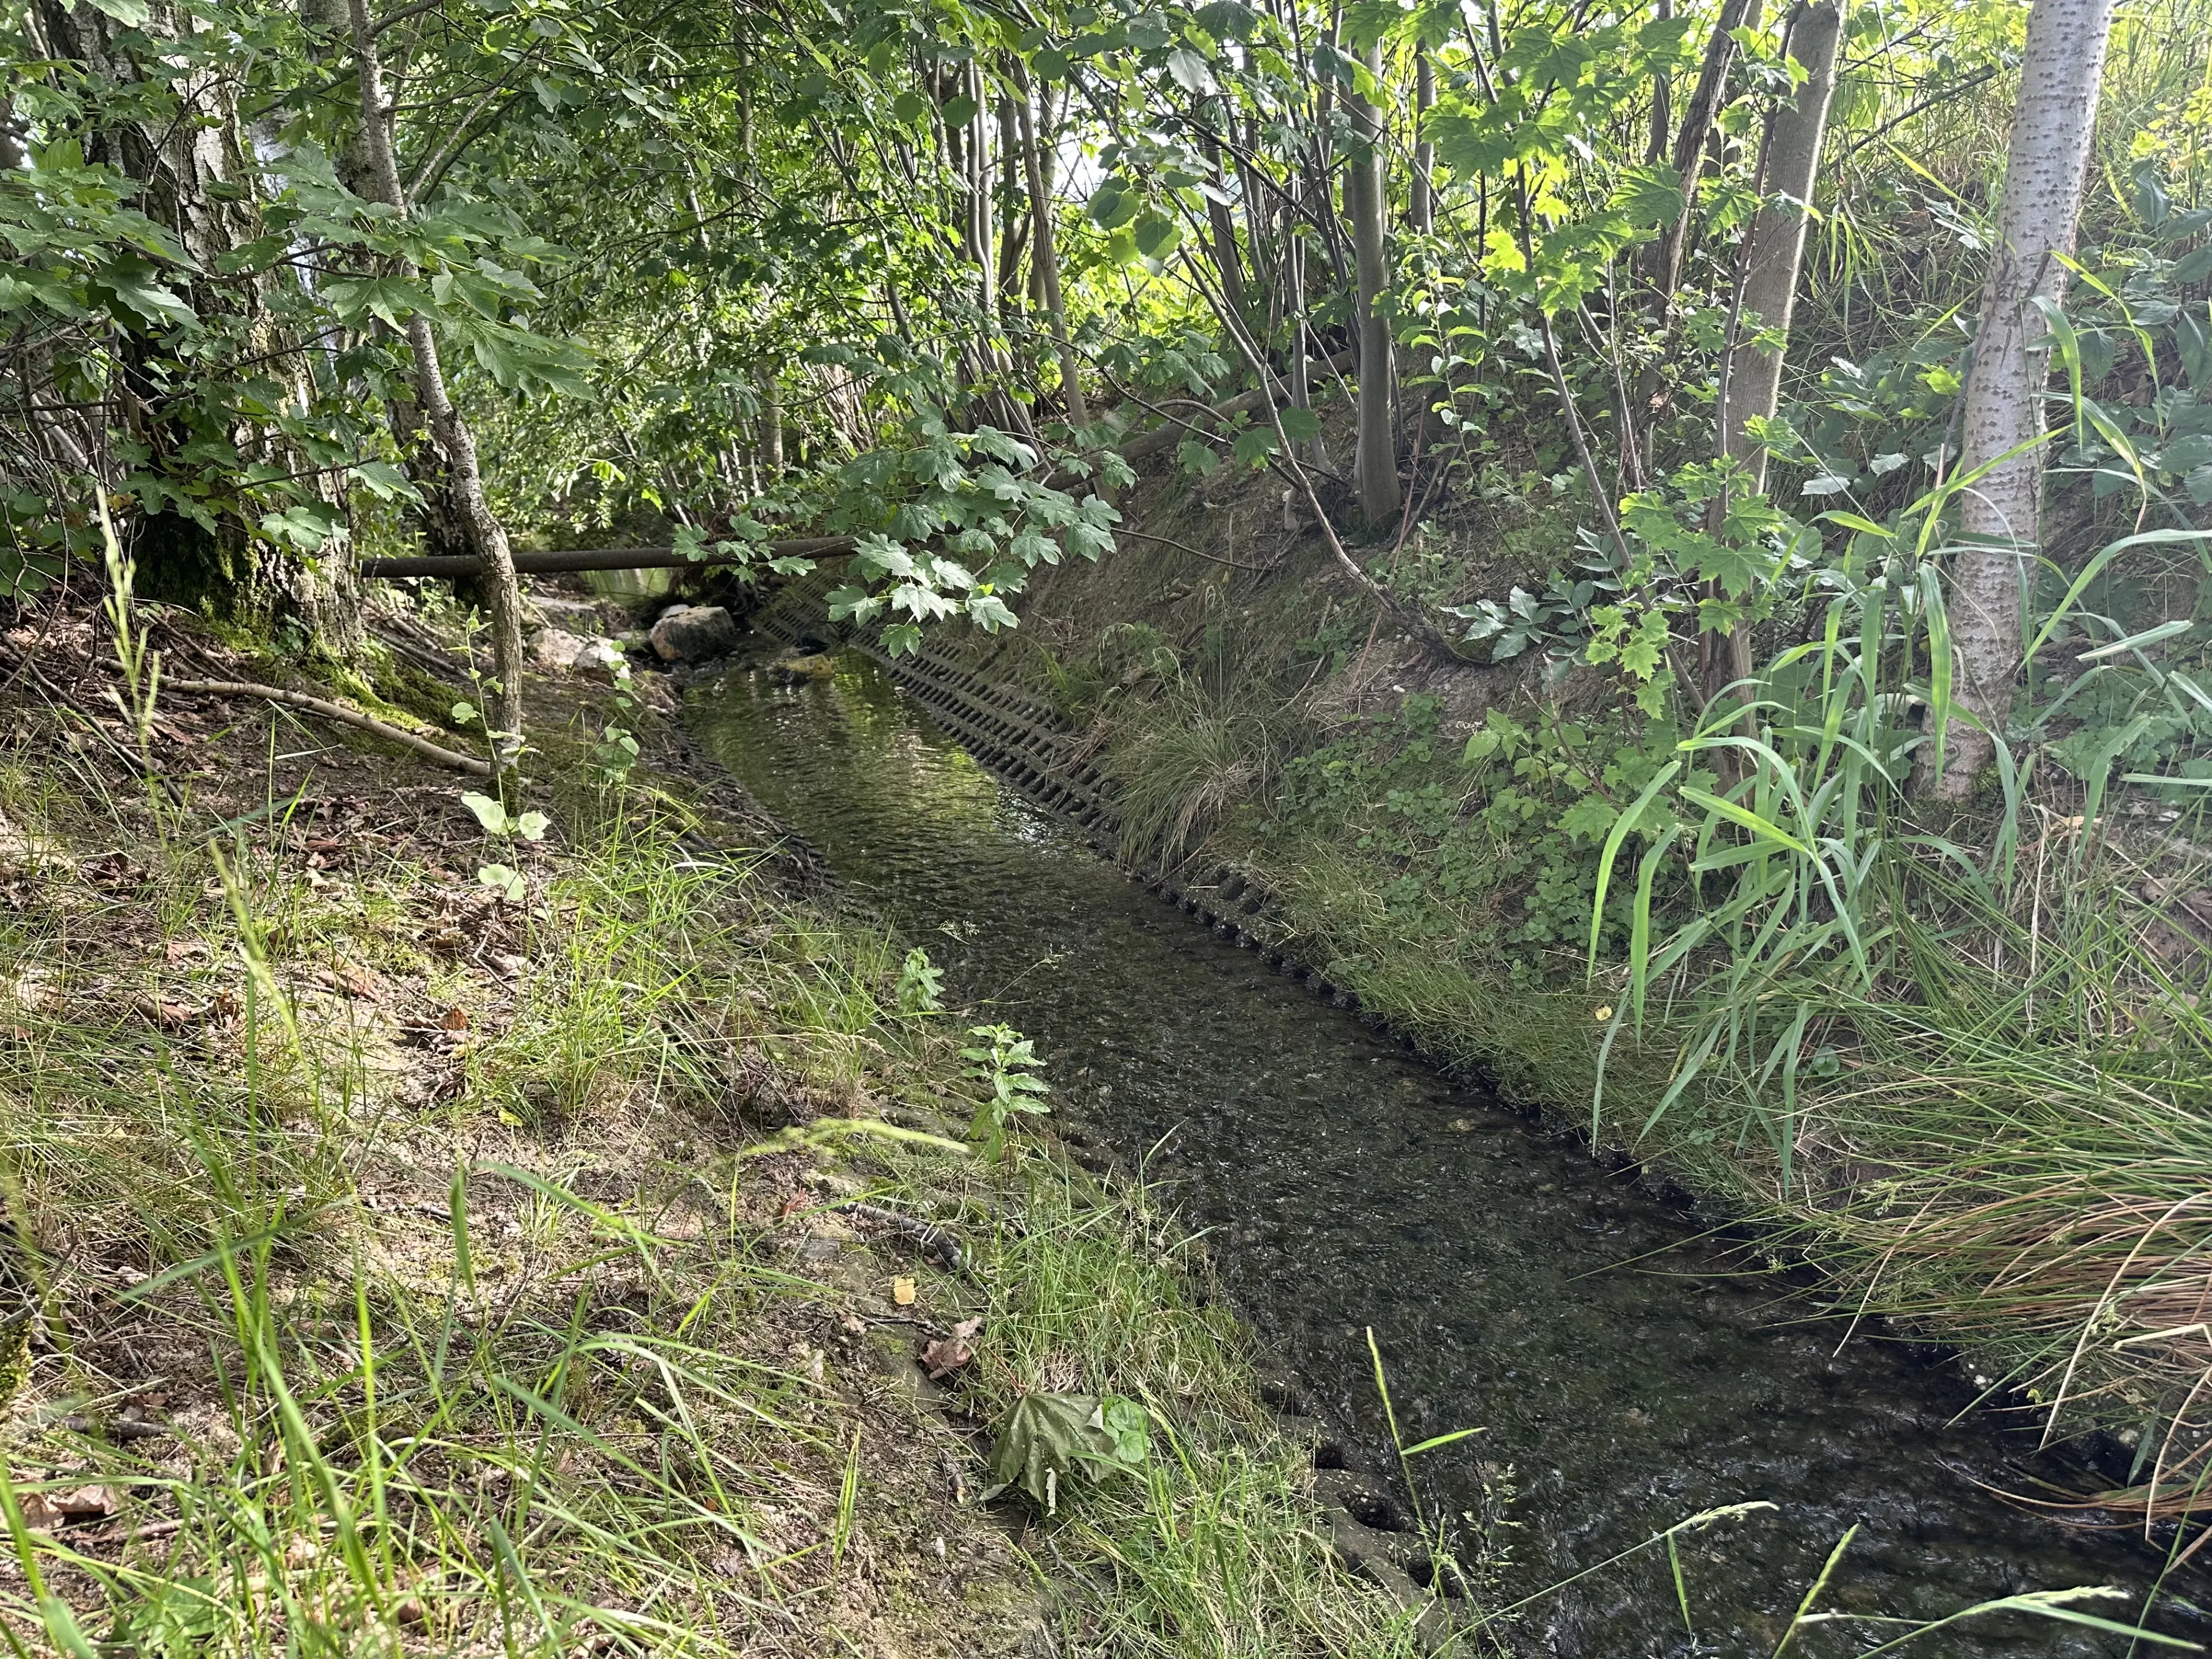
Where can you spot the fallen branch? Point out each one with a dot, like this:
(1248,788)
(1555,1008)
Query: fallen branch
(338,712)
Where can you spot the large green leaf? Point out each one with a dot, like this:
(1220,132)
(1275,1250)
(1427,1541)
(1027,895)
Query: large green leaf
(1047,1439)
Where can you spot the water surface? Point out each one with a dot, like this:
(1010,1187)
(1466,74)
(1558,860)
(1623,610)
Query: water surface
(1625,1378)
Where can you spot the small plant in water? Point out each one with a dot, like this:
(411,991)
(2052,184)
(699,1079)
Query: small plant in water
(1004,1062)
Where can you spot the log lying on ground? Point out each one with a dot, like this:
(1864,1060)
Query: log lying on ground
(1166,437)
(334,711)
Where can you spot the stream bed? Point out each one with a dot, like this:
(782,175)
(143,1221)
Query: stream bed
(1627,1377)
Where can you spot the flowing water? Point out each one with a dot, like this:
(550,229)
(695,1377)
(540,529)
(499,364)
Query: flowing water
(1626,1377)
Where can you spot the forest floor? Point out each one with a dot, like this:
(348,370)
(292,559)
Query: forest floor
(404,1263)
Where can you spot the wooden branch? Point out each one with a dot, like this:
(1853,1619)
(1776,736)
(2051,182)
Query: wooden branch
(333,711)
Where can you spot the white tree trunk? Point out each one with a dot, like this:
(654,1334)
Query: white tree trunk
(1774,253)
(2000,514)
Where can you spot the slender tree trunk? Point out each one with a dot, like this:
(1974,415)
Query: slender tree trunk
(1294,273)
(1047,265)
(1663,258)
(486,536)
(772,426)
(1366,201)
(1226,259)
(1423,186)
(1773,253)
(1016,225)
(2000,514)
(1663,100)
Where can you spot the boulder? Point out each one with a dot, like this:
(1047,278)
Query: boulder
(694,633)
(555,651)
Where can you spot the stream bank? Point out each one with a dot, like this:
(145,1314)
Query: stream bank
(420,1264)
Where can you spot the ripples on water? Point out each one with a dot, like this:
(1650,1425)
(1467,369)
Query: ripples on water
(1625,1378)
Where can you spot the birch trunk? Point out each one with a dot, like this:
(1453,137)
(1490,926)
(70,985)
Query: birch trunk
(2000,514)
(1773,255)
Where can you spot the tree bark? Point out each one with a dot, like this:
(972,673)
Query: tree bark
(1423,187)
(2000,514)
(1226,259)
(1294,280)
(1773,254)
(1047,262)
(1366,202)
(1663,258)
(485,536)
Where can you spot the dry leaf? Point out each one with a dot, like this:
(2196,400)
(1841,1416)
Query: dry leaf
(169,1014)
(361,983)
(902,1292)
(455,1018)
(45,1511)
(949,1353)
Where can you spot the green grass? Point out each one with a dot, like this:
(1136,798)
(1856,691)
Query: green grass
(489,1337)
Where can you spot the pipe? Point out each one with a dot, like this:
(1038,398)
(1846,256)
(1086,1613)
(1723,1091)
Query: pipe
(607,558)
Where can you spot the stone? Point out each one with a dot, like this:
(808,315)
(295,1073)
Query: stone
(600,659)
(694,633)
(556,650)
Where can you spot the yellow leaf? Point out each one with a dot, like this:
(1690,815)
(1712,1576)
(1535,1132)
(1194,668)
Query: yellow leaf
(902,1292)
(1605,1013)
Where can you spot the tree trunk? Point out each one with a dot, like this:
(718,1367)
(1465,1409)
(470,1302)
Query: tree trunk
(1294,281)
(1226,259)
(1773,253)
(1047,265)
(2000,514)
(1366,202)
(1016,224)
(1423,190)
(184,145)
(486,537)
(1663,258)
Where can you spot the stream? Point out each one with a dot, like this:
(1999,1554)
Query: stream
(1627,1377)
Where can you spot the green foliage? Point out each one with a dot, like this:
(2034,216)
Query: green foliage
(1005,1064)
(1048,1440)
